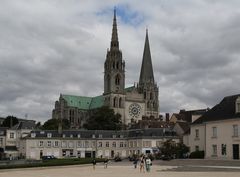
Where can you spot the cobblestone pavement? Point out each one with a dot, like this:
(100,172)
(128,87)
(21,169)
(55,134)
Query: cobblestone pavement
(125,168)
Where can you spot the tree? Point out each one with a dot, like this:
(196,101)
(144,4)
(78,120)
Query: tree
(104,118)
(181,150)
(52,124)
(171,149)
(168,148)
(10,121)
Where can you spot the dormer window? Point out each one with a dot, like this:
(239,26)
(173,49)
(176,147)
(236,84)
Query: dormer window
(33,135)
(100,135)
(114,136)
(71,136)
(93,136)
(63,135)
(79,136)
(238,105)
(49,135)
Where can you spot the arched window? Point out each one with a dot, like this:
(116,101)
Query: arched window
(108,83)
(113,64)
(120,102)
(117,65)
(151,95)
(145,95)
(114,102)
(148,104)
(117,80)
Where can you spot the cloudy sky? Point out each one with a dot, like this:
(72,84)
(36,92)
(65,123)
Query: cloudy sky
(48,47)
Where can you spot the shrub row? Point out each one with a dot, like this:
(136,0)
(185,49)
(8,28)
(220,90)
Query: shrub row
(197,155)
(54,162)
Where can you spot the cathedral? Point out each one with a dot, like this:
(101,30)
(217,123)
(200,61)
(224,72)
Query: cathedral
(132,103)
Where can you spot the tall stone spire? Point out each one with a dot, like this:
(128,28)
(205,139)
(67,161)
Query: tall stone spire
(146,74)
(114,41)
(114,66)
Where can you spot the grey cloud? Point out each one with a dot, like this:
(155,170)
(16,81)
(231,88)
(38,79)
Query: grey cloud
(53,47)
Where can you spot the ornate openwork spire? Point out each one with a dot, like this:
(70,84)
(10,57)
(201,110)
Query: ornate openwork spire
(114,41)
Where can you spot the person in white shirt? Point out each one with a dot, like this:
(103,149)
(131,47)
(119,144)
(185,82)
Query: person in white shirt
(148,164)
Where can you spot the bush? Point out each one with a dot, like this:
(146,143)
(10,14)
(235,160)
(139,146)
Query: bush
(197,155)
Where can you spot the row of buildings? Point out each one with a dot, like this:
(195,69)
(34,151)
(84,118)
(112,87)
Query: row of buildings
(214,131)
(23,141)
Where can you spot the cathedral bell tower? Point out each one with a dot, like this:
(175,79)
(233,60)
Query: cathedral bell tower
(114,66)
(114,74)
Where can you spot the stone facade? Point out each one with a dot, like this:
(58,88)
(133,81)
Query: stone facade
(217,132)
(105,144)
(131,103)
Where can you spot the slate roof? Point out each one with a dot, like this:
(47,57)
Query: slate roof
(24,125)
(222,111)
(154,132)
(184,125)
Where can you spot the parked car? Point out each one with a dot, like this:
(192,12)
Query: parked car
(48,157)
(117,159)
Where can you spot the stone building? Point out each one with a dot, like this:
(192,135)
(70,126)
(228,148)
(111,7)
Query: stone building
(132,103)
(94,143)
(217,131)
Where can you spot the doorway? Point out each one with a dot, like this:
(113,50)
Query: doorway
(235,151)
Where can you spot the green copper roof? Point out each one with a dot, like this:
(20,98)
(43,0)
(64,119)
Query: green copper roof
(83,102)
(97,102)
(129,89)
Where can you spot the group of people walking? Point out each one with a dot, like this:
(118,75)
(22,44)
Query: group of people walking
(144,163)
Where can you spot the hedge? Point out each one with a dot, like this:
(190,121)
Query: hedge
(53,162)
(197,155)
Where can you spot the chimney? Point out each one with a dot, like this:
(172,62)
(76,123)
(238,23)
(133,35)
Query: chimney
(167,117)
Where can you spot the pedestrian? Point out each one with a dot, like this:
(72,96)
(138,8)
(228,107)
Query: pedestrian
(94,163)
(148,164)
(135,161)
(142,162)
(105,163)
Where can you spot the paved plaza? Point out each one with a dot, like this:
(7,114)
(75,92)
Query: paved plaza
(123,169)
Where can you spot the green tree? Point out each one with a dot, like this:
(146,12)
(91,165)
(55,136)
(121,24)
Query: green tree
(181,150)
(171,149)
(168,148)
(10,121)
(52,124)
(103,118)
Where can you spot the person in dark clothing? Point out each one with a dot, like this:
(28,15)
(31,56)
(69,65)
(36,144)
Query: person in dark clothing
(105,163)
(94,163)
(135,162)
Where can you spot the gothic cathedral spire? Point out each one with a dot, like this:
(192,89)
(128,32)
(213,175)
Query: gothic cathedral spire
(146,74)
(147,85)
(114,41)
(114,67)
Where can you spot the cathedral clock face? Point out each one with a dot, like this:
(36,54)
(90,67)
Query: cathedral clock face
(134,110)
